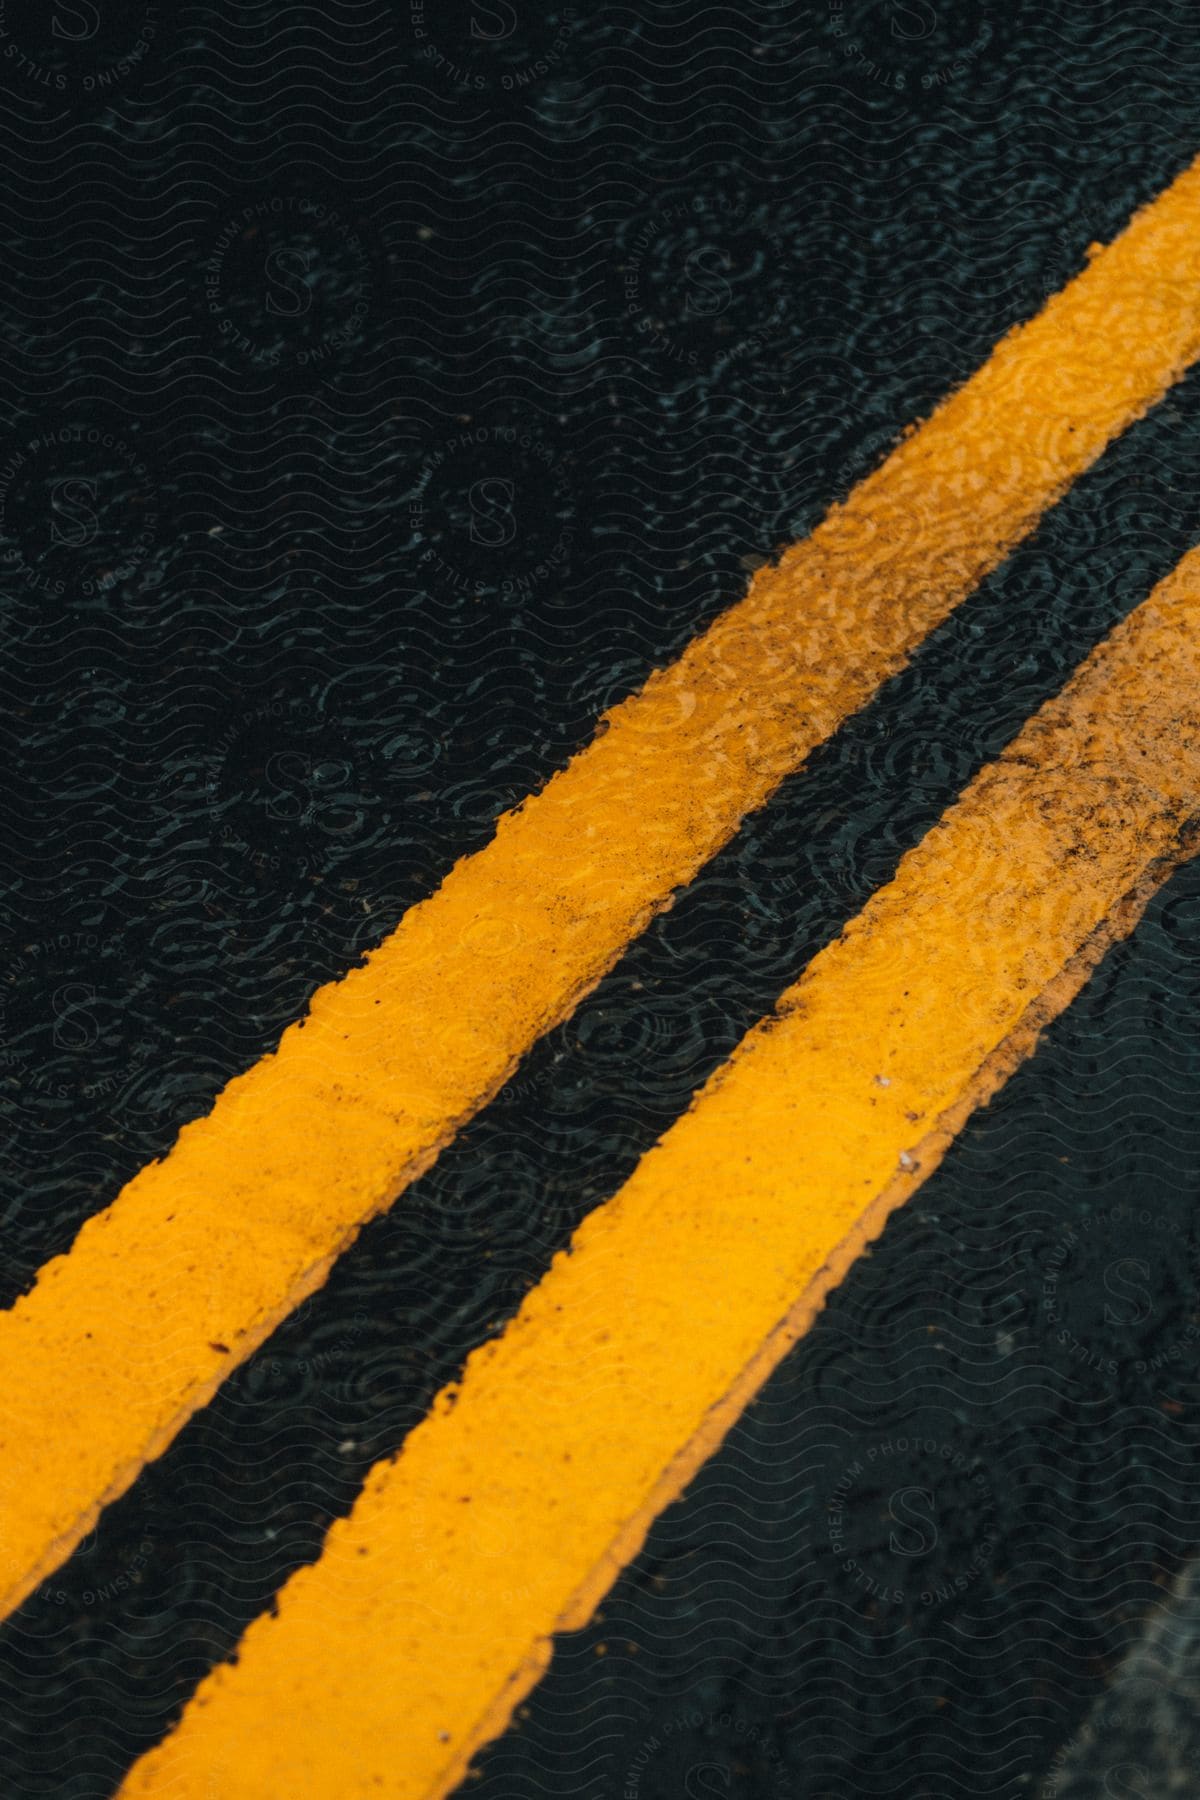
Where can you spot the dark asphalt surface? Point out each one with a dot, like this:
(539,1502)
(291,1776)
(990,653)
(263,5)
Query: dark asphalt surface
(442,386)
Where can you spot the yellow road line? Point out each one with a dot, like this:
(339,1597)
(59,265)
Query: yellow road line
(407,1645)
(202,1254)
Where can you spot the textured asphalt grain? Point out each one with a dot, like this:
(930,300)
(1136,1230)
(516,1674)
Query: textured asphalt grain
(710,264)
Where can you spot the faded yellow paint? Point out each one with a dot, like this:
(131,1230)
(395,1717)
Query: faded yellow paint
(202,1254)
(513,1506)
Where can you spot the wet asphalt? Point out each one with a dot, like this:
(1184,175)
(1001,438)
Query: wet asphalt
(377,408)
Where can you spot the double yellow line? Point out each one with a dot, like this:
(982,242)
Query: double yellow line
(407,1645)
